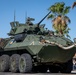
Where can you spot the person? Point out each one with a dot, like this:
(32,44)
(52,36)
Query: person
(74,63)
(28,21)
(2,43)
(51,33)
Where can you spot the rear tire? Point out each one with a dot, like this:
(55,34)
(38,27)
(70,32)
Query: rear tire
(67,67)
(4,63)
(14,62)
(54,69)
(25,63)
(40,69)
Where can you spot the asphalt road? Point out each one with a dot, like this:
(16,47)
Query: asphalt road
(9,73)
(34,74)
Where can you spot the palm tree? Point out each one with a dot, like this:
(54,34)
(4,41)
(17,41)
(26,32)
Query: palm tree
(59,19)
(74,4)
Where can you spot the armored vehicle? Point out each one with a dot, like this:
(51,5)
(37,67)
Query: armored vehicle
(33,48)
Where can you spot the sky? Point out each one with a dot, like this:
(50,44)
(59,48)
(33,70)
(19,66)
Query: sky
(31,8)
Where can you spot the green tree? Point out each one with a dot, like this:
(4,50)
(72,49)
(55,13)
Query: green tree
(59,18)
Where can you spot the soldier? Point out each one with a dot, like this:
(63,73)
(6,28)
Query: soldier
(51,33)
(28,21)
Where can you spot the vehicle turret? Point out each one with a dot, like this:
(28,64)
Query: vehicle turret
(29,27)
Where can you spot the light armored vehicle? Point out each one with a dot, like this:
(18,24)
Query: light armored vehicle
(33,48)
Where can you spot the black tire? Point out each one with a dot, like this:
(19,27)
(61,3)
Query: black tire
(54,69)
(40,69)
(4,63)
(25,63)
(14,63)
(67,67)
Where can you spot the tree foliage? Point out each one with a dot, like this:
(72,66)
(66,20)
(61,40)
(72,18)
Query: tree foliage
(59,17)
(73,5)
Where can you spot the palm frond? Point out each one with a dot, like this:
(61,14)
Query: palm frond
(66,10)
(74,4)
(52,8)
(60,7)
(66,18)
(51,16)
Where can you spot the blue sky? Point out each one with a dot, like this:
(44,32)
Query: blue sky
(34,8)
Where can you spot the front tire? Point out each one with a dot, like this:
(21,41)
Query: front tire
(14,63)
(25,63)
(4,63)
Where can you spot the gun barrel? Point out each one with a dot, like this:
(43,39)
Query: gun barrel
(44,18)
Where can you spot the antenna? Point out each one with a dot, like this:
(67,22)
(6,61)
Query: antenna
(14,16)
(25,16)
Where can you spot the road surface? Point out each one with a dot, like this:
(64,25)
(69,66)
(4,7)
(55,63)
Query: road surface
(9,73)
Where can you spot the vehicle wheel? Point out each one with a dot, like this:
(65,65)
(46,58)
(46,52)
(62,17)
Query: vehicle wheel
(14,63)
(40,69)
(4,63)
(25,63)
(67,68)
(54,69)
